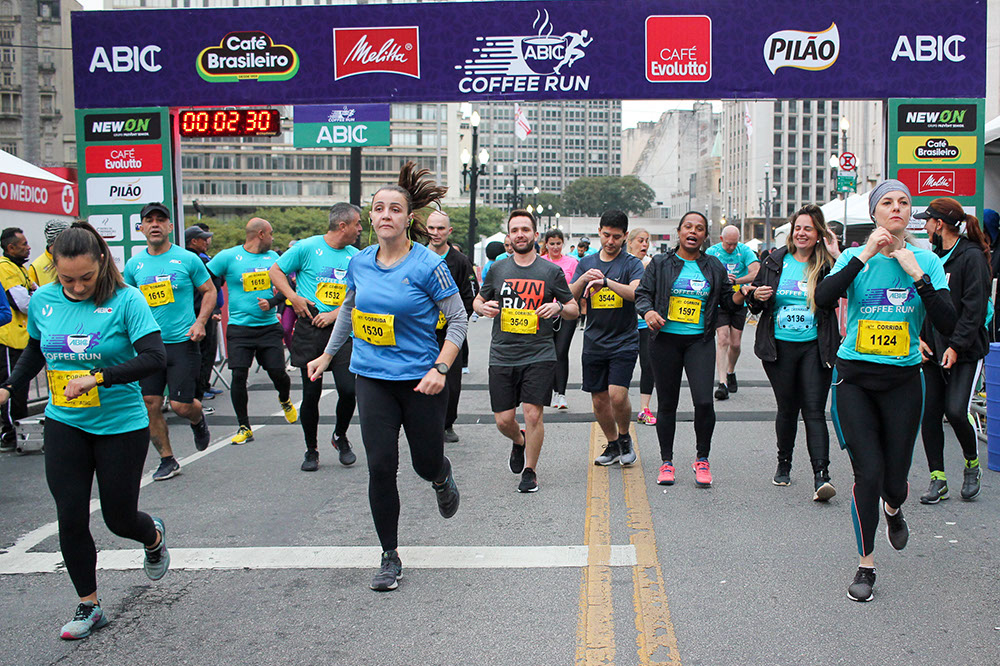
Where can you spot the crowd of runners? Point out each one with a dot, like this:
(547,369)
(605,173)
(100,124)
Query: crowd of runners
(390,322)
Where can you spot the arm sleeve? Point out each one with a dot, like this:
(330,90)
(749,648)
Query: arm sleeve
(940,309)
(150,356)
(456,316)
(645,293)
(835,285)
(30,363)
(19,297)
(342,327)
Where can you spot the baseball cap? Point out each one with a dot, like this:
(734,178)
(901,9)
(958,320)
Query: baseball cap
(584,241)
(191,233)
(931,212)
(155,206)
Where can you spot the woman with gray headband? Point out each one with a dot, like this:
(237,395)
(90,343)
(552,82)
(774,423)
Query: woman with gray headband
(878,383)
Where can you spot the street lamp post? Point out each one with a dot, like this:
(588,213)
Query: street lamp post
(767,210)
(844,126)
(535,192)
(473,166)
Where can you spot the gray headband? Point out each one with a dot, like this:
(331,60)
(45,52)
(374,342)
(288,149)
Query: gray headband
(881,190)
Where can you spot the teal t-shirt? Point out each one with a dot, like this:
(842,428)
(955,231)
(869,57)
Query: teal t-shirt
(686,317)
(168,282)
(320,271)
(76,336)
(737,263)
(884,311)
(246,275)
(793,320)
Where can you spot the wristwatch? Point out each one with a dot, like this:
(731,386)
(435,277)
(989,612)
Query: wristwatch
(98,376)
(442,368)
(924,281)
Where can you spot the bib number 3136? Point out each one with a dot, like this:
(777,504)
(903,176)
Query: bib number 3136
(883,338)
(375,329)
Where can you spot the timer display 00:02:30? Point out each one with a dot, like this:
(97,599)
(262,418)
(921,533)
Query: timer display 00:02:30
(229,122)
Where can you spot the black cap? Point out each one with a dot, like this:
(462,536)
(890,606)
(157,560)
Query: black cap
(931,212)
(155,206)
(192,233)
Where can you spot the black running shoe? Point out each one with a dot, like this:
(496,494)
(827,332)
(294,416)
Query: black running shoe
(731,383)
(783,475)
(627,450)
(389,574)
(895,529)
(447,495)
(343,446)
(517,456)
(168,469)
(450,436)
(862,587)
(722,393)
(937,491)
(201,435)
(612,454)
(824,490)
(970,482)
(529,481)
(311,462)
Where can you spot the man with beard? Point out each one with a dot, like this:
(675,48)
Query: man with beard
(14,335)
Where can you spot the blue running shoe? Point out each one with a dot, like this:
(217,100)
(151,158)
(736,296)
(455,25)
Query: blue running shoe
(88,618)
(157,559)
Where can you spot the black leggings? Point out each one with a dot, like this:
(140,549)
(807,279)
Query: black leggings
(72,458)
(384,406)
(877,423)
(695,354)
(238,390)
(453,382)
(801,382)
(343,379)
(948,394)
(563,339)
(645,364)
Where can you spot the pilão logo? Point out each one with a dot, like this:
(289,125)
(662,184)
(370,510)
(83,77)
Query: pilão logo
(813,51)
(247,55)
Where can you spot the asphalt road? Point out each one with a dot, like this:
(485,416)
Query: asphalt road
(602,566)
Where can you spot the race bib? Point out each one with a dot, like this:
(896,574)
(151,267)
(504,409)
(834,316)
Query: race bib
(883,338)
(375,329)
(794,318)
(605,299)
(58,379)
(523,322)
(684,310)
(158,293)
(256,281)
(331,293)
(441,321)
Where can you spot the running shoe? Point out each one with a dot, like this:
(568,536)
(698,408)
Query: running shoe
(516,461)
(783,475)
(559,401)
(89,617)
(896,530)
(343,446)
(970,481)
(311,462)
(702,473)
(215,391)
(450,436)
(201,435)
(447,495)
(612,454)
(168,469)
(937,491)
(824,490)
(291,414)
(646,417)
(862,587)
(207,411)
(731,382)
(208,395)
(722,393)
(666,475)
(627,450)
(242,436)
(389,574)
(158,559)
(465,371)
(529,481)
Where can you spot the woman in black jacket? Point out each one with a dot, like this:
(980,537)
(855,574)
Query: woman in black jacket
(678,297)
(797,341)
(952,363)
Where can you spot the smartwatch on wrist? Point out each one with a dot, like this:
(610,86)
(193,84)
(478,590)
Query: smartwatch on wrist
(442,368)
(605,281)
(924,282)
(98,376)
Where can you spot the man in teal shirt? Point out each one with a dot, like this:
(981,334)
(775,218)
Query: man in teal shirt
(168,275)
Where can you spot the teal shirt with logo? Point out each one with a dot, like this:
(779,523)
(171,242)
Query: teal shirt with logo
(737,263)
(690,283)
(172,309)
(793,320)
(238,268)
(318,267)
(79,336)
(884,311)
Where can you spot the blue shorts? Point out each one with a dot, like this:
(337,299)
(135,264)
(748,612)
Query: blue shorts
(600,370)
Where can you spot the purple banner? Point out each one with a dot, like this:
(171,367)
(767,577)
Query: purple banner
(570,49)
(342,113)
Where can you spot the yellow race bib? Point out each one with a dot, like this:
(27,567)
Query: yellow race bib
(256,281)
(605,299)
(684,310)
(883,338)
(158,293)
(58,379)
(375,329)
(331,293)
(442,322)
(523,322)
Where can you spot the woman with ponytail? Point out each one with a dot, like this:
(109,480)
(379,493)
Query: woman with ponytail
(98,338)
(952,363)
(395,292)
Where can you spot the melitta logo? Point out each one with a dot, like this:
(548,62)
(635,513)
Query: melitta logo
(813,51)
(125,59)
(247,55)
(678,49)
(926,48)
(936,182)
(394,50)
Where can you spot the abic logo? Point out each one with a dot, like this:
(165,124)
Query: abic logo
(813,51)
(928,48)
(678,49)
(125,59)
(249,55)
(393,50)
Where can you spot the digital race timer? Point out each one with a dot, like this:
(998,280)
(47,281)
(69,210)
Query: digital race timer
(229,122)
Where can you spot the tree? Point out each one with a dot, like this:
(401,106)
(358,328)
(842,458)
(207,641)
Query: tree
(592,196)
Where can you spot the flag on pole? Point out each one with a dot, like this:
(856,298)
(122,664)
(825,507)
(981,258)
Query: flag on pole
(521,127)
(747,121)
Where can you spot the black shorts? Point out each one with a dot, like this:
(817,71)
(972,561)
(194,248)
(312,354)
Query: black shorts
(512,385)
(181,373)
(308,342)
(602,370)
(264,342)
(737,318)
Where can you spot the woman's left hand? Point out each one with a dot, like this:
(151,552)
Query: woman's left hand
(908,262)
(431,384)
(949,358)
(77,387)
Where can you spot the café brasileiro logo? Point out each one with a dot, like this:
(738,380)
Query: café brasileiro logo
(247,55)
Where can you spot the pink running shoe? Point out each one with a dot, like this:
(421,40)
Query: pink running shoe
(666,475)
(646,417)
(702,474)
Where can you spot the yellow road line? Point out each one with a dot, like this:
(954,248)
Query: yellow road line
(595,636)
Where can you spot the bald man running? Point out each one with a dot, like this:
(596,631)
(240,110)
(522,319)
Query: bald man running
(253,328)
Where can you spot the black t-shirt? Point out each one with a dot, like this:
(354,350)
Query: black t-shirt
(523,288)
(611,320)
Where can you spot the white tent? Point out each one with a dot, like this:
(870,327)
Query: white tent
(30,196)
(480,253)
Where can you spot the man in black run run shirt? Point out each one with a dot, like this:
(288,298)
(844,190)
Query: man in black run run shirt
(611,340)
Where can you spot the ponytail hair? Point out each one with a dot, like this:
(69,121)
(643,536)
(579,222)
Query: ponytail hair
(950,212)
(419,193)
(82,239)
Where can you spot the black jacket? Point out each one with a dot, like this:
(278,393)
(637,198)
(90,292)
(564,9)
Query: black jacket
(465,277)
(969,282)
(827,327)
(653,292)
